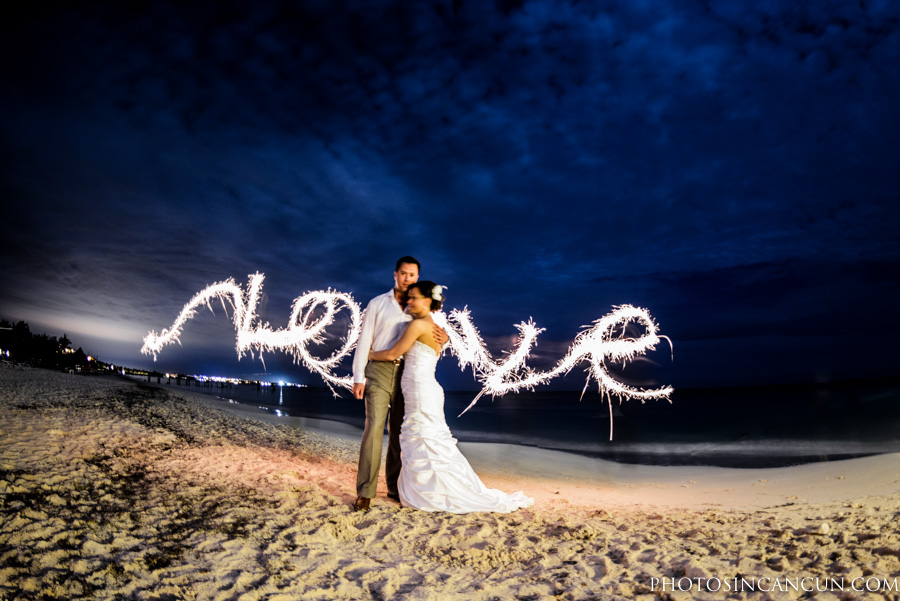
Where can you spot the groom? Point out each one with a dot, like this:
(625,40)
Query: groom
(379,383)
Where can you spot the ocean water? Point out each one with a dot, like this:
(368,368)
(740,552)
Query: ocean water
(731,427)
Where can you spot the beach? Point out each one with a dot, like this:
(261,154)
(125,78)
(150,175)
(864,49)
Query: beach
(113,489)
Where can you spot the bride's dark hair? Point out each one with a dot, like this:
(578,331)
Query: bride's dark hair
(426,287)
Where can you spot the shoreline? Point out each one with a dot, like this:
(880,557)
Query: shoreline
(744,454)
(111,490)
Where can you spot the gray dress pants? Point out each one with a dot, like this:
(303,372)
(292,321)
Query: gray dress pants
(382,396)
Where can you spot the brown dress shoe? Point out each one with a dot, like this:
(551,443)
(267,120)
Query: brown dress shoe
(361,504)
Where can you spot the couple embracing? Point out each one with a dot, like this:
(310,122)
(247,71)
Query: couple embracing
(393,370)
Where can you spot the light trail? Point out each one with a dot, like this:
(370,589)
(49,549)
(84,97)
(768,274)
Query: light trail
(303,328)
(603,342)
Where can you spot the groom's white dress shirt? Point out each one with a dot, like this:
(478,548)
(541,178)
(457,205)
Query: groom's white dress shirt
(383,325)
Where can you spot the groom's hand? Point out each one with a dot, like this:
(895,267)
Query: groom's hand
(359,390)
(440,335)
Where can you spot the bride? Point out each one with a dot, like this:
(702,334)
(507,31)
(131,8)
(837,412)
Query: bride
(435,476)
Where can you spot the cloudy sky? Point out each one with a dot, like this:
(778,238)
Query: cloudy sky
(730,166)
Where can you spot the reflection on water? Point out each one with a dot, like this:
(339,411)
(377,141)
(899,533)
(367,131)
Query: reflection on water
(736,427)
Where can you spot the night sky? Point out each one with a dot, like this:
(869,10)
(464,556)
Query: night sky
(730,166)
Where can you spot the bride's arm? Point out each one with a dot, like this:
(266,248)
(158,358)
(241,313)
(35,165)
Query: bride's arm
(415,329)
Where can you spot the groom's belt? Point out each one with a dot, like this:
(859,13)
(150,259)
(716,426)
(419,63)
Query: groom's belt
(398,361)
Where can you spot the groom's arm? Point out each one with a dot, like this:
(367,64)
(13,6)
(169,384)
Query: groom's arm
(361,357)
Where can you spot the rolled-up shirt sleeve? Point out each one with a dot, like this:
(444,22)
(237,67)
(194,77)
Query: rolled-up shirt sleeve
(366,336)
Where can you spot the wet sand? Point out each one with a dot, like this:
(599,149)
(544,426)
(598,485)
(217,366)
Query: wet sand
(112,489)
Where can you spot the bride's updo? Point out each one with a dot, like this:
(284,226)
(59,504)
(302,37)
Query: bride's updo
(430,290)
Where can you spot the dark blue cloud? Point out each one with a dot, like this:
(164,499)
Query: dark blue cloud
(731,167)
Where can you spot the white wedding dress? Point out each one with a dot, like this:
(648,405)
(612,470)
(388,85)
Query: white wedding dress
(435,476)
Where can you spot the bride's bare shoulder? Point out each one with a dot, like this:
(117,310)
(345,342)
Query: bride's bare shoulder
(425,331)
(419,325)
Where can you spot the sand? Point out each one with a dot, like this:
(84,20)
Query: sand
(115,490)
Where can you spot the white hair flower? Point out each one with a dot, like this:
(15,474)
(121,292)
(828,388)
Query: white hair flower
(437,293)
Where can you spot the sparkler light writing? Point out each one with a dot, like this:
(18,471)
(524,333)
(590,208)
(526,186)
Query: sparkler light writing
(303,329)
(604,341)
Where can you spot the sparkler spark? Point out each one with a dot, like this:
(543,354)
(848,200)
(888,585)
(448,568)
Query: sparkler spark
(597,344)
(604,341)
(303,329)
